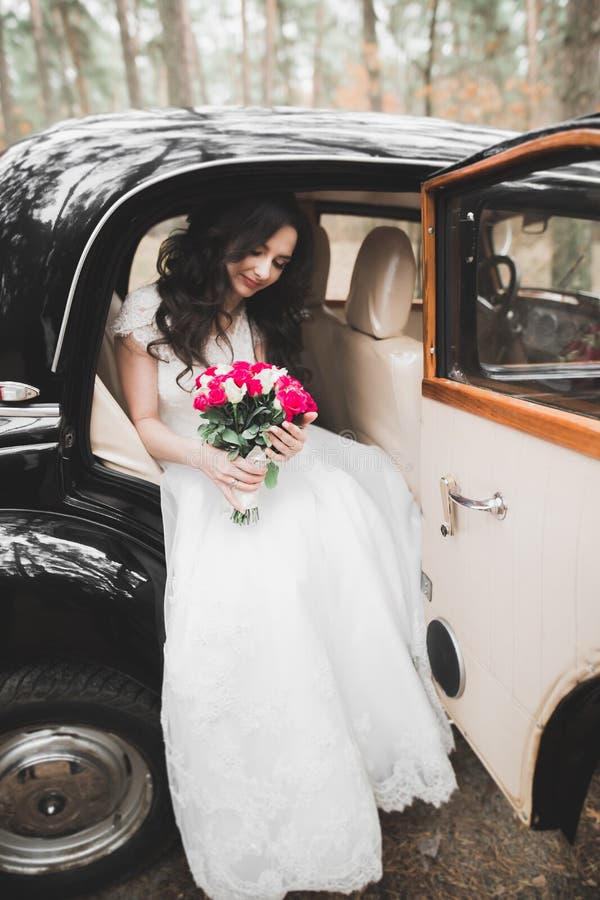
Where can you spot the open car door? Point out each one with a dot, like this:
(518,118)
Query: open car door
(509,461)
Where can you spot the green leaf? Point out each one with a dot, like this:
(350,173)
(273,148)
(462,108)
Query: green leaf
(229,435)
(216,414)
(272,475)
(250,432)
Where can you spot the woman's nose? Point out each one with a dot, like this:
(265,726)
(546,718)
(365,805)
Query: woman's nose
(262,268)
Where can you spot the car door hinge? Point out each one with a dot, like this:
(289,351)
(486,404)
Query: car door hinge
(68,437)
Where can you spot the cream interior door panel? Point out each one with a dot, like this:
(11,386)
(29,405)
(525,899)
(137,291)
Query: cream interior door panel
(521,593)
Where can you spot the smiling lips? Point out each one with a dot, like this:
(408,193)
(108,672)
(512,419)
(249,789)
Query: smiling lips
(250,283)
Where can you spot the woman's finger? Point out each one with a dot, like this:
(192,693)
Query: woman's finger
(276,457)
(232,481)
(249,466)
(231,498)
(281,437)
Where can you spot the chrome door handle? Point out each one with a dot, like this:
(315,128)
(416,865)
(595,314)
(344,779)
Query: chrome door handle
(450,496)
(15,391)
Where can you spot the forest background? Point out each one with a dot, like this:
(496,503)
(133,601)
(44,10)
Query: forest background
(510,63)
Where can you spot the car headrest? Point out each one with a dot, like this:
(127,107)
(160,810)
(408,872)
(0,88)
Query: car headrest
(383,283)
(322,259)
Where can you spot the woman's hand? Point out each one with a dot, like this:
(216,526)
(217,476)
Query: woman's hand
(288,439)
(227,474)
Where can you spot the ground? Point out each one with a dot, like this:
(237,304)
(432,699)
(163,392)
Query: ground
(474,847)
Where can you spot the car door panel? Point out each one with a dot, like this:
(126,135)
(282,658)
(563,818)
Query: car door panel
(519,593)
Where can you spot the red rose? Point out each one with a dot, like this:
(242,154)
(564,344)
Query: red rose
(210,371)
(217,396)
(201,402)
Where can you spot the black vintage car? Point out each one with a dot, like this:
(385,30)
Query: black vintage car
(491,349)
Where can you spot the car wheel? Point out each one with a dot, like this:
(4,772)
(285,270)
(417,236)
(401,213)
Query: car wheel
(84,798)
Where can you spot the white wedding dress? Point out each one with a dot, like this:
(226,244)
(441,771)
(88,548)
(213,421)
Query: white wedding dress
(297,696)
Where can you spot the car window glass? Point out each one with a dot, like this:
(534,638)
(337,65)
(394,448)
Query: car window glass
(525,316)
(346,233)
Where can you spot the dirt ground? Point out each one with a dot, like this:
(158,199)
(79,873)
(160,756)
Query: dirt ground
(473,847)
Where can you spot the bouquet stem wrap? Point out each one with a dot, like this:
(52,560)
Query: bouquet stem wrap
(249,499)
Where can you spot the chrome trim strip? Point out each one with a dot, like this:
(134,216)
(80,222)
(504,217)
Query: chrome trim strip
(34,411)
(21,448)
(305,158)
(541,371)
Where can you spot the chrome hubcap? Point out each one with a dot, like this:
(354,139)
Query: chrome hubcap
(69,795)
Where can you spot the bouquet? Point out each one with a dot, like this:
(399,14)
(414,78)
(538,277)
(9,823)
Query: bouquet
(239,403)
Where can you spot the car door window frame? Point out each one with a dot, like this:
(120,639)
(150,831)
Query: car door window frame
(566,428)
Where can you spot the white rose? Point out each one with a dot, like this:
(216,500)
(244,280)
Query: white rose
(276,404)
(233,392)
(267,378)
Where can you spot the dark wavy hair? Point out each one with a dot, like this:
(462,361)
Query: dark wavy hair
(193,280)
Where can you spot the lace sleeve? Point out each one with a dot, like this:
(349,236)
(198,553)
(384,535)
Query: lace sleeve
(136,316)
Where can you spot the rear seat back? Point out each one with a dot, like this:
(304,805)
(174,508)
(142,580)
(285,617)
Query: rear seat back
(380,367)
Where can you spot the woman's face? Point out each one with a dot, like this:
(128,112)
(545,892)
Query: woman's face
(264,265)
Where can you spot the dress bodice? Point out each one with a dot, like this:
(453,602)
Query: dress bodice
(175,402)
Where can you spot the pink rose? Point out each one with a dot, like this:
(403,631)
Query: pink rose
(201,402)
(286,381)
(292,401)
(254,386)
(255,368)
(217,396)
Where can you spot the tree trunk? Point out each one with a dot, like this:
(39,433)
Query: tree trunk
(39,39)
(6,99)
(245,68)
(433,11)
(271,11)
(73,45)
(60,41)
(581,58)
(371,56)
(133,82)
(532,61)
(317,85)
(176,48)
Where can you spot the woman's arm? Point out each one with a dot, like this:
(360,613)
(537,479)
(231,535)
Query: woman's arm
(138,371)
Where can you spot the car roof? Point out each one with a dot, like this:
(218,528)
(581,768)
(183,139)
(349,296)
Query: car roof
(56,186)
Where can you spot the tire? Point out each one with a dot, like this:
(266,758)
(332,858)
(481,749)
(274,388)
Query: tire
(84,798)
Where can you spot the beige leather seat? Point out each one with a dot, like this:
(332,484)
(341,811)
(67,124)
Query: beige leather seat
(113,437)
(320,334)
(380,367)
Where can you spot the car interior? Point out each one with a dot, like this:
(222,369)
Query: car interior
(363,331)
(534,329)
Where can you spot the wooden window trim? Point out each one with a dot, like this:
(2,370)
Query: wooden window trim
(567,429)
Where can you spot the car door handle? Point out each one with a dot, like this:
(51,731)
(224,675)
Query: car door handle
(15,391)
(451,496)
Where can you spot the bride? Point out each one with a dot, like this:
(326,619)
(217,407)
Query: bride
(296,695)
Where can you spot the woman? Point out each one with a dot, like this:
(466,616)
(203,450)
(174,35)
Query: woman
(296,693)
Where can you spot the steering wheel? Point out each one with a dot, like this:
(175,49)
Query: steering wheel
(503,301)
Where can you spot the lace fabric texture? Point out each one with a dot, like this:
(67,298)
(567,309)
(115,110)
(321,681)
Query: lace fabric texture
(297,696)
